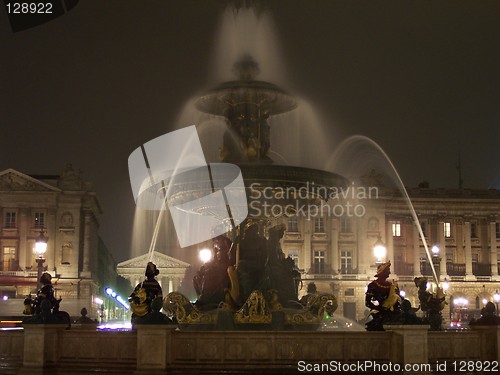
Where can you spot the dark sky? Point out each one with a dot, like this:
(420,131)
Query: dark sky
(420,78)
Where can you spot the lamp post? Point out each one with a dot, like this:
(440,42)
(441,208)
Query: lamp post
(40,249)
(496,298)
(379,250)
(435,259)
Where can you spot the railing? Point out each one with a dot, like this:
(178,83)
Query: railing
(480,269)
(403,268)
(455,269)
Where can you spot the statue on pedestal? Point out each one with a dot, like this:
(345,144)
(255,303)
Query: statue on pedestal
(144,293)
(45,306)
(382,297)
(430,304)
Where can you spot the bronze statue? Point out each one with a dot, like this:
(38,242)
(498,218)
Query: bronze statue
(212,278)
(382,297)
(144,293)
(488,318)
(45,306)
(430,304)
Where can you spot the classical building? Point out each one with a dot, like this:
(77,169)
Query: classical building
(335,250)
(172,271)
(67,211)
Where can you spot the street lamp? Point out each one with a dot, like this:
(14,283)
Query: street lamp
(496,298)
(379,250)
(445,285)
(205,255)
(40,249)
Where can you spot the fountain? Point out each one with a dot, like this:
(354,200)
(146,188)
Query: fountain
(259,290)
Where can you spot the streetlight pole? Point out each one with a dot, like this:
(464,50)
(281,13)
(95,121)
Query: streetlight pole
(496,298)
(40,249)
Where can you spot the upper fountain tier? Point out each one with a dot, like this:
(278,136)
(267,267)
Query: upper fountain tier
(246,104)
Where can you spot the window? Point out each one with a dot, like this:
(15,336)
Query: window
(473,230)
(294,254)
(319,225)
(319,262)
(39,220)
(10,219)
(9,259)
(345,262)
(475,259)
(396,229)
(449,257)
(497,229)
(447,229)
(349,292)
(293,224)
(345,225)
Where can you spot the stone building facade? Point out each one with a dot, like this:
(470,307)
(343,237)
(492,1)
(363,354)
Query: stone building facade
(171,274)
(336,252)
(67,211)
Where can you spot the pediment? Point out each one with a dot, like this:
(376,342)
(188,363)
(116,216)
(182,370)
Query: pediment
(12,180)
(161,261)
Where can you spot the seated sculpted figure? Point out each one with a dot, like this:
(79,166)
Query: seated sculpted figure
(145,292)
(382,297)
(212,278)
(430,304)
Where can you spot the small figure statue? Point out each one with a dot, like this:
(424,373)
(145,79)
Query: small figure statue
(312,292)
(212,278)
(45,306)
(144,293)
(382,297)
(408,315)
(45,292)
(84,319)
(430,304)
(252,261)
(488,318)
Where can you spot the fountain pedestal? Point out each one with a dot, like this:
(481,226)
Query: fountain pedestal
(41,355)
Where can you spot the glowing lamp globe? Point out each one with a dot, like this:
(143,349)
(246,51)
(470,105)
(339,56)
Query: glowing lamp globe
(205,255)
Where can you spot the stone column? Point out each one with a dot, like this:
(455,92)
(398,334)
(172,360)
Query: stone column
(469,276)
(493,249)
(408,343)
(41,348)
(307,256)
(51,243)
(170,285)
(442,249)
(390,246)
(416,252)
(23,243)
(334,246)
(86,245)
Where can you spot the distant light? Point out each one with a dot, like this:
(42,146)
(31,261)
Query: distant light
(485,301)
(109,291)
(205,255)
(113,294)
(445,285)
(98,301)
(5,298)
(435,250)
(327,316)
(402,293)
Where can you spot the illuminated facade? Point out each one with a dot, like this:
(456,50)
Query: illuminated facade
(337,253)
(67,211)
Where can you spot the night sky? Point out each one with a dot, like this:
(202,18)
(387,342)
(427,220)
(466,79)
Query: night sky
(420,78)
